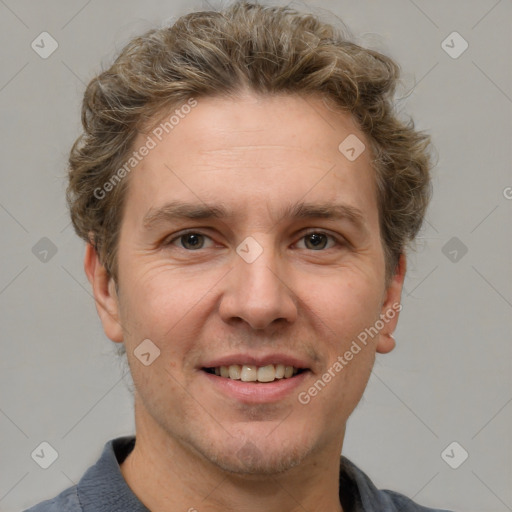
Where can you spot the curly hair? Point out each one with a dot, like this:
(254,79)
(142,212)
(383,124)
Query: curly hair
(268,50)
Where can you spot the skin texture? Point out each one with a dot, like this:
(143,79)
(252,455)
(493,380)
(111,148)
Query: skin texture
(253,155)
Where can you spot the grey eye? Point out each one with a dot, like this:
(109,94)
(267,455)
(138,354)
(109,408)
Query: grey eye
(193,240)
(318,240)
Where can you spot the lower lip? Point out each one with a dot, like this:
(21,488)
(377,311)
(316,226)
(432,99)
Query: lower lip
(256,392)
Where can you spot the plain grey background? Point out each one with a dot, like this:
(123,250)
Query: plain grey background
(450,376)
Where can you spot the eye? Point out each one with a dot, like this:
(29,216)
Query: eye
(194,240)
(317,240)
(191,240)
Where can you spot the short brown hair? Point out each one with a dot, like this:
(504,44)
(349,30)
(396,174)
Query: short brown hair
(269,50)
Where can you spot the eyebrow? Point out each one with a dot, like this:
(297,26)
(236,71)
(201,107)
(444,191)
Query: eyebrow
(177,210)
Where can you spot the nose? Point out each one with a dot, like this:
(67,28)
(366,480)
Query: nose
(257,293)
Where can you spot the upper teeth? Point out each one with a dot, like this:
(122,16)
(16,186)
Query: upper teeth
(252,373)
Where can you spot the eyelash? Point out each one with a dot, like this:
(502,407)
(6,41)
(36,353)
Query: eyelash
(339,242)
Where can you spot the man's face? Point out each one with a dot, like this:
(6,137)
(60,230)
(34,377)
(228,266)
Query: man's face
(213,298)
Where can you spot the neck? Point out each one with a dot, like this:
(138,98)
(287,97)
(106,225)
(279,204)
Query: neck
(166,474)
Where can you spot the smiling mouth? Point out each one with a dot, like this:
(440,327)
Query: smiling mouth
(252,373)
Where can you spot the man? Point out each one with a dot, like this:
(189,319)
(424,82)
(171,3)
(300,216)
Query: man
(247,195)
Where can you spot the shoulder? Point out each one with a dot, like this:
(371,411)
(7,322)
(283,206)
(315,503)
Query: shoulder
(368,498)
(404,504)
(102,486)
(66,501)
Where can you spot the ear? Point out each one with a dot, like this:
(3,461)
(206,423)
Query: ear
(105,294)
(391,308)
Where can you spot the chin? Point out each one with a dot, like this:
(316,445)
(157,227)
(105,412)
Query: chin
(250,461)
(259,458)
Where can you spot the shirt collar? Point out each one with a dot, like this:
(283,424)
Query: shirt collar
(103,487)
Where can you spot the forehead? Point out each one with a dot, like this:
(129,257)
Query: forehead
(254,154)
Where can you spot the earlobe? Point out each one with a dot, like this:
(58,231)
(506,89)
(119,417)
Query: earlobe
(386,343)
(105,295)
(391,308)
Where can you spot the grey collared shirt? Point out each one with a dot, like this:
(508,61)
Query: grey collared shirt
(104,489)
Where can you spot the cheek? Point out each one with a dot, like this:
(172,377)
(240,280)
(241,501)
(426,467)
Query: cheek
(344,308)
(161,302)
(346,302)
